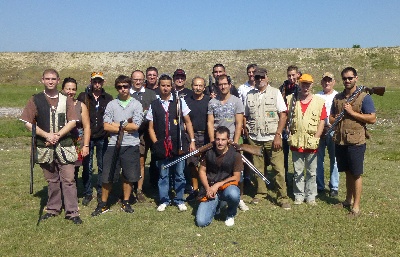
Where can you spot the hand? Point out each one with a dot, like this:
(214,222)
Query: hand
(213,95)
(211,192)
(52,138)
(192,146)
(85,151)
(277,143)
(349,109)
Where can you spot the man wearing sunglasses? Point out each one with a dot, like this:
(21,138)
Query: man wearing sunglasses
(128,110)
(265,118)
(350,136)
(96,100)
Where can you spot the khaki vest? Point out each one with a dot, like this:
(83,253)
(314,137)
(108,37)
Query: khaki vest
(263,112)
(65,150)
(349,131)
(305,126)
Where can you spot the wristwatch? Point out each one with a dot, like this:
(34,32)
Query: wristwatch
(193,140)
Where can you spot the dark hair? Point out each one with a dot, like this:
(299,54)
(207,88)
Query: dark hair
(53,71)
(137,71)
(253,65)
(122,79)
(164,77)
(151,68)
(218,65)
(223,76)
(347,69)
(292,67)
(68,80)
(222,129)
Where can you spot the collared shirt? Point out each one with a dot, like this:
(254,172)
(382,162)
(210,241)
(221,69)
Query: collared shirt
(243,90)
(165,104)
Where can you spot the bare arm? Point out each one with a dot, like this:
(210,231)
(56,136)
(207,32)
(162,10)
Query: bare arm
(189,129)
(86,129)
(210,127)
(238,127)
(152,133)
(369,118)
(277,143)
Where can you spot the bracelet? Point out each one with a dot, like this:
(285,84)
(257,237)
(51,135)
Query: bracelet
(280,134)
(86,145)
(193,140)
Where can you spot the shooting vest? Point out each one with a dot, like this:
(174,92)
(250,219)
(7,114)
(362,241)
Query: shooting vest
(225,170)
(304,126)
(349,131)
(53,120)
(263,113)
(160,126)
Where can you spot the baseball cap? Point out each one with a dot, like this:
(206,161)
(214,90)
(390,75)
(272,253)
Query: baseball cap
(97,74)
(179,72)
(329,75)
(260,72)
(307,78)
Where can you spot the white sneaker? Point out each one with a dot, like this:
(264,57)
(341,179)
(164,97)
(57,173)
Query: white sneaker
(182,207)
(243,206)
(230,221)
(162,207)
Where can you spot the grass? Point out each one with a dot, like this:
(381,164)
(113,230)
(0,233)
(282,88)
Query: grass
(265,230)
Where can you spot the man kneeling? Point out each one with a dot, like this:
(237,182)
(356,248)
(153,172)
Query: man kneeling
(219,174)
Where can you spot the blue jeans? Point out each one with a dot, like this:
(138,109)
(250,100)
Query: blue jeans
(101,147)
(206,211)
(327,142)
(179,180)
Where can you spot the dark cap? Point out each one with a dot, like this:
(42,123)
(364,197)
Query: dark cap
(260,72)
(179,72)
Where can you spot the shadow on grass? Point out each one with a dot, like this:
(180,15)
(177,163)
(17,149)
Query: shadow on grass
(42,194)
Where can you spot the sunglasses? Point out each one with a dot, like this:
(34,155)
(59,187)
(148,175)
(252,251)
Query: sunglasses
(347,78)
(257,77)
(123,86)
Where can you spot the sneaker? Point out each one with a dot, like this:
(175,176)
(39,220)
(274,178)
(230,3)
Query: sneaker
(100,209)
(321,191)
(312,202)
(243,206)
(87,199)
(126,207)
(76,220)
(47,216)
(192,196)
(140,196)
(162,207)
(298,201)
(182,207)
(333,193)
(286,206)
(230,221)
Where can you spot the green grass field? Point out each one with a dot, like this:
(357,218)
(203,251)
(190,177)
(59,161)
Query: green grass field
(265,230)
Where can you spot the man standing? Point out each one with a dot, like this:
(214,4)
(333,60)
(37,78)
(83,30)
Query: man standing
(179,79)
(198,104)
(308,117)
(350,136)
(128,110)
(55,116)
(265,116)
(288,87)
(249,85)
(145,96)
(167,133)
(96,100)
(326,141)
(213,90)
(219,174)
(226,110)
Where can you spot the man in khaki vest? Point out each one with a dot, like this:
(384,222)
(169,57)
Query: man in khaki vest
(350,136)
(265,118)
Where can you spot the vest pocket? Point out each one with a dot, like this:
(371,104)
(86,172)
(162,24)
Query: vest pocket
(353,136)
(312,143)
(66,154)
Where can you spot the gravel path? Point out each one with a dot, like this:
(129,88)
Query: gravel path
(10,112)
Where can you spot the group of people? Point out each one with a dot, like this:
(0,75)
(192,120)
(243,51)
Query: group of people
(162,114)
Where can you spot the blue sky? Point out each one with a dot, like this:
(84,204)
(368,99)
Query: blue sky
(100,26)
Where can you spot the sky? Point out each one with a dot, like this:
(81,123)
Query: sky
(173,25)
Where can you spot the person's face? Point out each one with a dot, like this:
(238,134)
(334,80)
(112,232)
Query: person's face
(327,84)
(250,73)
(151,77)
(218,71)
(261,81)
(165,87)
(97,84)
(123,89)
(198,86)
(50,81)
(305,88)
(224,86)
(349,80)
(179,81)
(70,89)
(293,76)
(137,80)
(221,141)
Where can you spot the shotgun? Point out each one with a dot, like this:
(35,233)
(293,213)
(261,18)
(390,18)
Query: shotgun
(290,113)
(33,157)
(117,149)
(374,90)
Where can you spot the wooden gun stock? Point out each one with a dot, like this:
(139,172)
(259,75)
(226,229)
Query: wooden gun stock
(375,90)
(251,149)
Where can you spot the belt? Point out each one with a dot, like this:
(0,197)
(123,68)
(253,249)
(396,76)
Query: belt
(200,132)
